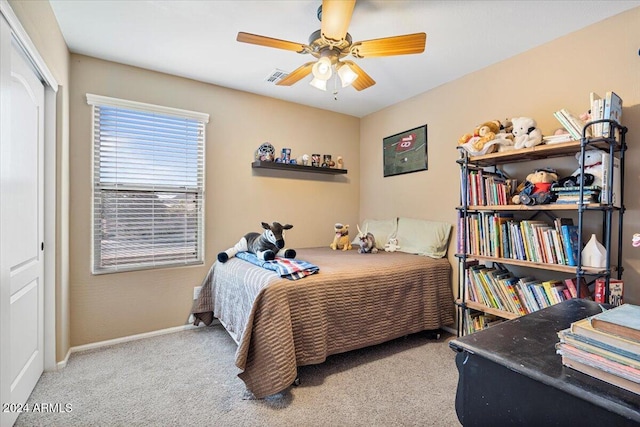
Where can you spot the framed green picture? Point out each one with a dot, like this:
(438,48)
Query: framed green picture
(405,152)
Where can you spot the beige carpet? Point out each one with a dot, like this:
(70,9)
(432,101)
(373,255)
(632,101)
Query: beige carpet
(189,379)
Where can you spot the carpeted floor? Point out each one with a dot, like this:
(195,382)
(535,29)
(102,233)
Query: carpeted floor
(189,379)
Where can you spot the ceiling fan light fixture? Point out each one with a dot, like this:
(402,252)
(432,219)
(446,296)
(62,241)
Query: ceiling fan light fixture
(347,75)
(322,69)
(319,83)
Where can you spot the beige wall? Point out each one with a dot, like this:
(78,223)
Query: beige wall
(237,198)
(95,308)
(536,83)
(40,23)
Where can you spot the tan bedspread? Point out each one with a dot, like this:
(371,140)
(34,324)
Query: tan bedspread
(356,300)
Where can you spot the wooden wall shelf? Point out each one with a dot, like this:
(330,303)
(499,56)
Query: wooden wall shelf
(296,168)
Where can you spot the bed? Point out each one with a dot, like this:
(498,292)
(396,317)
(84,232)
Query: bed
(354,301)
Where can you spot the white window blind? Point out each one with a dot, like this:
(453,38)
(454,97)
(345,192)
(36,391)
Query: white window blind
(148,177)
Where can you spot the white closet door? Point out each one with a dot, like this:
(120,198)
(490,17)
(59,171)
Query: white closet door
(21,226)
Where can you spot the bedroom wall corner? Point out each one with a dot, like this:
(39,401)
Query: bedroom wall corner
(237,199)
(559,74)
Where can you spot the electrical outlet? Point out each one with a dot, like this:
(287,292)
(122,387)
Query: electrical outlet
(196,292)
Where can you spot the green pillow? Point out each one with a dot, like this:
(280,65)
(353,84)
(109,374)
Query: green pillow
(430,238)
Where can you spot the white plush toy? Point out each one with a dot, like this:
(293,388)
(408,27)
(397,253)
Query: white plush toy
(592,165)
(526,133)
(391,245)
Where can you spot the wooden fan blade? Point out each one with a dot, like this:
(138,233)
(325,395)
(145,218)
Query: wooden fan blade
(271,42)
(297,74)
(336,16)
(390,46)
(363,81)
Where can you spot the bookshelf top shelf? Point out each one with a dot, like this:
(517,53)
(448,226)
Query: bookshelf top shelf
(536,208)
(542,151)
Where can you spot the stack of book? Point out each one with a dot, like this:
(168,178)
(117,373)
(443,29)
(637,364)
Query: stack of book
(557,139)
(500,235)
(500,289)
(572,123)
(609,107)
(487,188)
(571,195)
(605,346)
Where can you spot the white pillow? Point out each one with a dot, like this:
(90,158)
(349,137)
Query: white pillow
(382,230)
(430,238)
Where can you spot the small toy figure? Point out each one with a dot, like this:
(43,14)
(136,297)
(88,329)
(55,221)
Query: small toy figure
(341,238)
(391,245)
(536,190)
(367,242)
(266,245)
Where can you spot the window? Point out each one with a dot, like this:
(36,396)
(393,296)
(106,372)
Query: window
(148,185)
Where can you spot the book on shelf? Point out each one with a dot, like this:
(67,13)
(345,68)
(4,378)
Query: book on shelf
(477,321)
(616,291)
(486,187)
(558,138)
(571,244)
(622,321)
(569,197)
(525,284)
(554,288)
(572,123)
(612,111)
(596,113)
(585,329)
(615,185)
(577,291)
(573,189)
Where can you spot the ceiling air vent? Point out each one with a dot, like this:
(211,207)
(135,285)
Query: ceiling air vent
(275,76)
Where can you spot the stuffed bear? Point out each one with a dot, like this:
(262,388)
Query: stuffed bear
(505,137)
(391,245)
(536,190)
(341,238)
(592,165)
(480,142)
(526,133)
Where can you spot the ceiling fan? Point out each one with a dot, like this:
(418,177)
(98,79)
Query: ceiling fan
(331,43)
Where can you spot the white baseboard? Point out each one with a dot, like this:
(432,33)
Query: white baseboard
(129,338)
(63,363)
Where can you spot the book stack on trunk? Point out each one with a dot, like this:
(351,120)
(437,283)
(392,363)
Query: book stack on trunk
(605,346)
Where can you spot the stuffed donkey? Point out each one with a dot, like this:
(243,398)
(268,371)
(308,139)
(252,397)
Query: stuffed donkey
(266,245)
(367,242)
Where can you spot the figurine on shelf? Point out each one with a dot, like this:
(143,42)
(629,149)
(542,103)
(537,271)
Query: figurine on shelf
(285,155)
(340,162)
(327,162)
(536,189)
(266,152)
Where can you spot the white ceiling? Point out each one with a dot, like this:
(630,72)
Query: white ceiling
(197,40)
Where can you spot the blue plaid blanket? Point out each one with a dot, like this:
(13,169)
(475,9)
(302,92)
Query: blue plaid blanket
(292,269)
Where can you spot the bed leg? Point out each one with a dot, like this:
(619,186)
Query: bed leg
(296,382)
